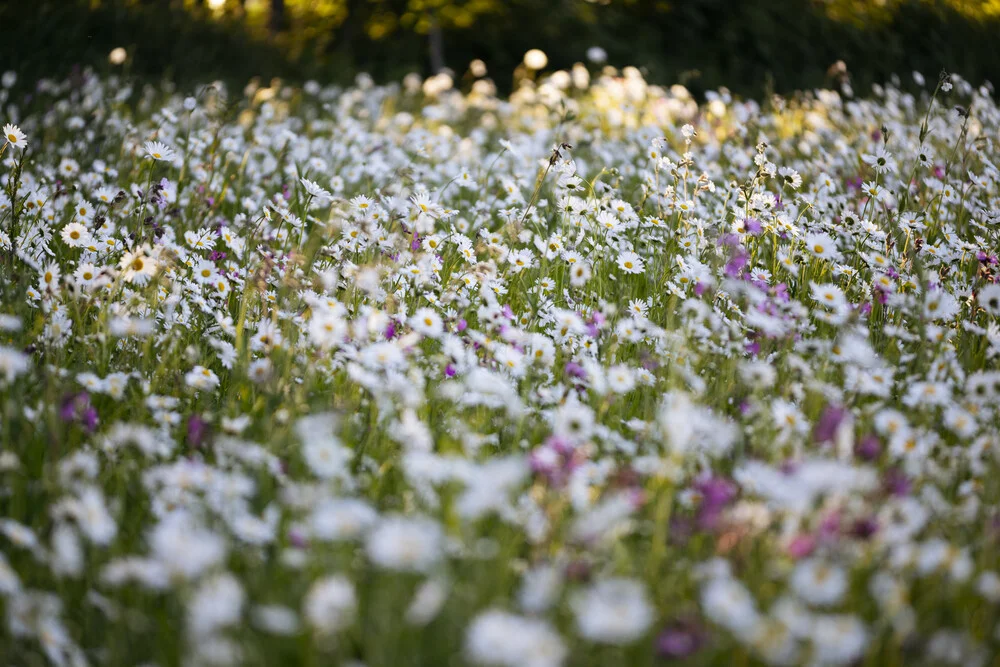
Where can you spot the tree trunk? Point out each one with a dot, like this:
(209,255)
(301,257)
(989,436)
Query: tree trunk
(278,19)
(435,42)
(349,31)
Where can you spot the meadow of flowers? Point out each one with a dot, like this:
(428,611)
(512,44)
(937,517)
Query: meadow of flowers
(591,375)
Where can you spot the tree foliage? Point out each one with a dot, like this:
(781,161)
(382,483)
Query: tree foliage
(748,45)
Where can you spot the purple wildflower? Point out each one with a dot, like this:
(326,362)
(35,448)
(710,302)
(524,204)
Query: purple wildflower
(76,408)
(869,448)
(681,639)
(197,430)
(716,494)
(896,483)
(736,263)
(864,528)
(829,422)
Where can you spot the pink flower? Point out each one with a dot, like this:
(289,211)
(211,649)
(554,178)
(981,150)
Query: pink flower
(801,546)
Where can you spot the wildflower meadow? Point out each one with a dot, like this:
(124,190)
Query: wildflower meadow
(418,374)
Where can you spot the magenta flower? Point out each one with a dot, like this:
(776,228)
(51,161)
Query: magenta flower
(801,546)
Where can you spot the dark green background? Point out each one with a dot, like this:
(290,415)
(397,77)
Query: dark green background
(749,46)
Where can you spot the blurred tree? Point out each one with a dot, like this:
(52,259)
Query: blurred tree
(746,45)
(379,20)
(278,21)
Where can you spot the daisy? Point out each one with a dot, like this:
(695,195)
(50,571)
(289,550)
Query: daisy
(520,259)
(613,611)
(69,166)
(259,370)
(201,378)
(728,603)
(500,639)
(362,204)
(220,286)
(819,583)
(829,295)
(330,604)
(75,235)
(50,277)
(423,205)
(822,246)
(12,363)
(84,210)
(940,305)
(638,308)
(159,151)
(511,360)
(138,267)
(204,271)
(989,299)
(407,544)
(267,336)
(314,190)
(881,161)
(630,262)
(14,136)
(621,379)
(427,322)
(579,274)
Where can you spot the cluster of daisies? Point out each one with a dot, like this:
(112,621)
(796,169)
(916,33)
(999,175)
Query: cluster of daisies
(593,374)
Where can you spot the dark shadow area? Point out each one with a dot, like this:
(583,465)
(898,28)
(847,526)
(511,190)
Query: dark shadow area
(749,46)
